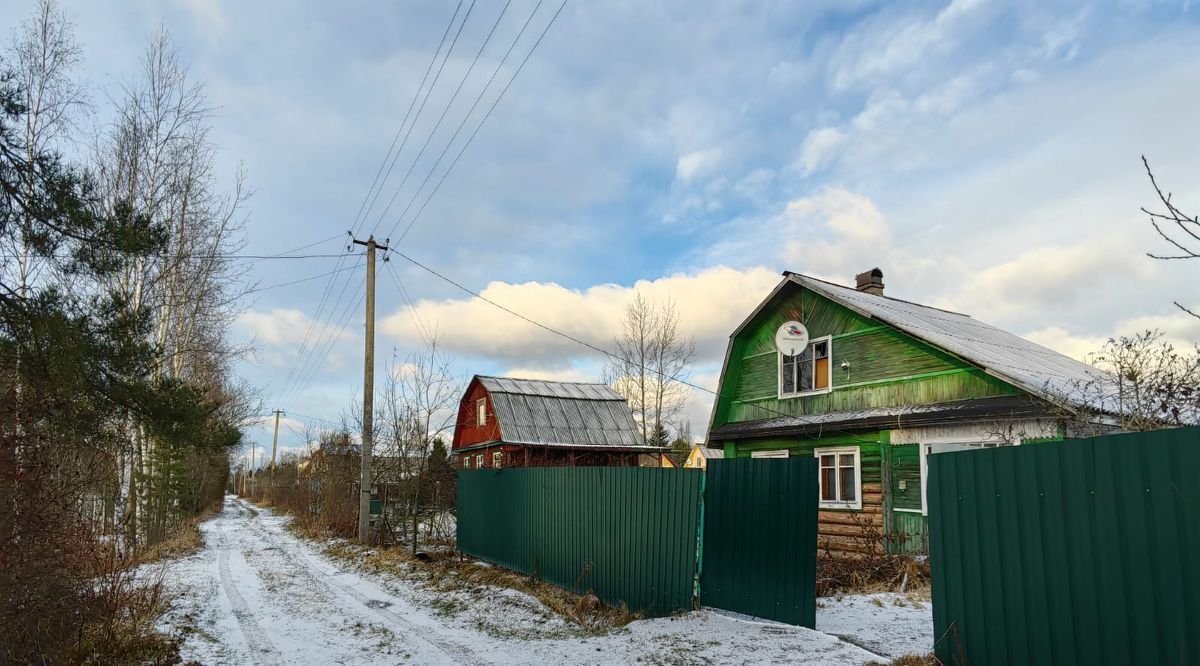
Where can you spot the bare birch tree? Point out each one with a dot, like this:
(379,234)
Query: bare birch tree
(651,364)
(1177,228)
(1149,383)
(45,56)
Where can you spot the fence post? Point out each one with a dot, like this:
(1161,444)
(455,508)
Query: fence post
(699,543)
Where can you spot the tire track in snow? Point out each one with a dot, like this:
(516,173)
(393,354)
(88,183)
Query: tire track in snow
(459,654)
(255,637)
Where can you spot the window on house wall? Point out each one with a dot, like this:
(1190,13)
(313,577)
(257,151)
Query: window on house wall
(498,459)
(777,453)
(478,461)
(481,412)
(807,372)
(466,462)
(839,478)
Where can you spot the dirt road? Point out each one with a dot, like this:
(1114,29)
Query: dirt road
(258,594)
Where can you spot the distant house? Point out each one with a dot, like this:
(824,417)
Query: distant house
(700,455)
(874,385)
(506,422)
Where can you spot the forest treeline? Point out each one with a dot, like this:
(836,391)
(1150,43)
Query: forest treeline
(120,409)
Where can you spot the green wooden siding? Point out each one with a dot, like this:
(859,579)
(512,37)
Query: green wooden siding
(887,367)
(906,467)
(910,534)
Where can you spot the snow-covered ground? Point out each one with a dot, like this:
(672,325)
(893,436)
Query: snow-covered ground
(258,594)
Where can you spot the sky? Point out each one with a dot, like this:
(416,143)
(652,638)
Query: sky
(985,155)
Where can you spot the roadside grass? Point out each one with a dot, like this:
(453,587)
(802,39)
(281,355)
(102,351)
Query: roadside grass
(445,572)
(186,541)
(911,660)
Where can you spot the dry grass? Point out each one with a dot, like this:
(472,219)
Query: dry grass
(445,572)
(916,660)
(186,541)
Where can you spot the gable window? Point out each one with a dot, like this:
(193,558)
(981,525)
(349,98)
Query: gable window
(839,477)
(497,459)
(809,371)
(481,412)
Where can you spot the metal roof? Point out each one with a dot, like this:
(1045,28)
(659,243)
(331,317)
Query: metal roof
(574,414)
(1010,357)
(893,417)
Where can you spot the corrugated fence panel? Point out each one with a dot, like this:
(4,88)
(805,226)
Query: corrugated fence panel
(1077,552)
(627,534)
(760,538)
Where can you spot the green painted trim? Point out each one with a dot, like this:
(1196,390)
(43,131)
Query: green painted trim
(834,338)
(876,382)
(861,331)
(907,378)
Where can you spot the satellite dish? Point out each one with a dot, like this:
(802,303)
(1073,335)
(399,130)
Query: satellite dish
(791,338)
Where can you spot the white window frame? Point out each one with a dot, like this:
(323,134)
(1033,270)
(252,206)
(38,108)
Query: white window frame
(828,340)
(776,453)
(478,461)
(839,451)
(497,459)
(481,412)
(934,448)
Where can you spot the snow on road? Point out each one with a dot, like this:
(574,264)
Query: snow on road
(258,594)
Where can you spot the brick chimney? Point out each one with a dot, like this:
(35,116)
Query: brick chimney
(870,281)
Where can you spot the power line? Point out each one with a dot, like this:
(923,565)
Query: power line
(358,217)
(661,375)
(445,110)
(305,346)
(421,109)
(481,122)
(307,279)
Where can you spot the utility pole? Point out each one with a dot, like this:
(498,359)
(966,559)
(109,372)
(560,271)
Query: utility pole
(364,481)
(252,475)
(275,443)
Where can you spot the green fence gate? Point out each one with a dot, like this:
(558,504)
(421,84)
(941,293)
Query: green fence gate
(760,538)
(1076,552)
(627,534)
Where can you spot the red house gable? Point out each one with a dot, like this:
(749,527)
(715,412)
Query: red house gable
(468,431)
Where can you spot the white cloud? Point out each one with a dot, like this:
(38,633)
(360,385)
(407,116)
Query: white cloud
(696,164)
(279,334)
(1047,278)
(820,146)
(710,304)
(1179,328)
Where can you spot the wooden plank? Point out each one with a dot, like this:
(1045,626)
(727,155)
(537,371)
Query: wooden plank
(841,518)
(845,544)
(832,529)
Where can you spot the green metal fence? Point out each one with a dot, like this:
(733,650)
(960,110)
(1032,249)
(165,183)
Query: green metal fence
(1076,552)
(627,534)
(760,538)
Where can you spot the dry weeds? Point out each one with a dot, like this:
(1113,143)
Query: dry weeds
(445,572)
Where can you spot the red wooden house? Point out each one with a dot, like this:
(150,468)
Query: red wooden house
(504,422)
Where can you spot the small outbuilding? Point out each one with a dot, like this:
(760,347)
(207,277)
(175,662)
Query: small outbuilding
(507,422)
(700,455)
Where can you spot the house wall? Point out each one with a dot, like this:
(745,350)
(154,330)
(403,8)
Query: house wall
(887,367)
(467,431)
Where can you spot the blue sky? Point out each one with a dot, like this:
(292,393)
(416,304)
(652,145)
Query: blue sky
(985,155)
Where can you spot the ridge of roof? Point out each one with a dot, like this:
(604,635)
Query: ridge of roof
(544,381)
(790,274)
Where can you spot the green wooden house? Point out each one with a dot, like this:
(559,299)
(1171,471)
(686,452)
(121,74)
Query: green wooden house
(879,385)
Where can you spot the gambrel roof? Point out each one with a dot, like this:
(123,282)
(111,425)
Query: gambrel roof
(570,414)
